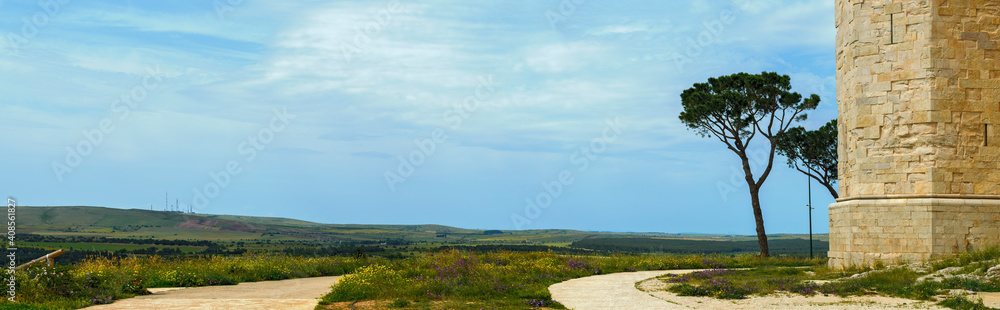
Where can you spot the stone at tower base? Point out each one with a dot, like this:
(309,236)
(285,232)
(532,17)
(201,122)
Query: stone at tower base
(910,228)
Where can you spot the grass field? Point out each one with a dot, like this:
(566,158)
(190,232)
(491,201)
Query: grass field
(425,266)
(419,266)
(463,279)
(508,280)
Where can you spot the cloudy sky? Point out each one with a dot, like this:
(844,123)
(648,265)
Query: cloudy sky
(402,112)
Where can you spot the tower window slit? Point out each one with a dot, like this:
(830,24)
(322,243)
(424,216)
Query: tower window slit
(892,30)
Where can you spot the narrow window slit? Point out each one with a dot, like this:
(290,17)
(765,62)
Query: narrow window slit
(892,30)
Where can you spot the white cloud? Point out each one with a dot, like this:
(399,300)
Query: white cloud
(802,24)
(562,57)
(619,29)
(555,87)
(206,24)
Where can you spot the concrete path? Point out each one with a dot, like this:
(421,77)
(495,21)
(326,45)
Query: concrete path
(618,291)
(611,291)
(285,294)
(991,300)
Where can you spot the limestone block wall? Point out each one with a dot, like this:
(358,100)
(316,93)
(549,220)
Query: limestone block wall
(871,230)
(864,231)
(882,79)
(918,88)
(966,94)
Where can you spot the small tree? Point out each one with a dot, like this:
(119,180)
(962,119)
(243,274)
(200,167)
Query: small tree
(735,109)
(813,152)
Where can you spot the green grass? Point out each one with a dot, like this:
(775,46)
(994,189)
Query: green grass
(738,284)
(512,279)
(449,279)
(895,282)
(99,280)
(963,303)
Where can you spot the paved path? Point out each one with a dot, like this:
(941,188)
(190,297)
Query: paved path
(611,291)
(618,291)
(285,294)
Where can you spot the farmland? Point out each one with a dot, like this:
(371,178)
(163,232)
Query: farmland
(108,229)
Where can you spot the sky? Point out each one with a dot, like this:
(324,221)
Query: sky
(487,114)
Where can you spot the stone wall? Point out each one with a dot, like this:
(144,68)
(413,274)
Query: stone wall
(917,98)
(891,230)
(918,89)
(967,86)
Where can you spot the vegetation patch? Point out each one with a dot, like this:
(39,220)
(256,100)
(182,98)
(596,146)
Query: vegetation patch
(965,273)
(103,280)
(507,280)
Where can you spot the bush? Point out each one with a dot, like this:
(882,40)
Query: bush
(365,283)
(963,303)
(400,303)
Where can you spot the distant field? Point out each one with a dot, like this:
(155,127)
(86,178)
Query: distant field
(782,246)
(105,246)
(233,234)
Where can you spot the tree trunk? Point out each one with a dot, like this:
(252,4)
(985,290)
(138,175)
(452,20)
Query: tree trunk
(755,201)
(759,218)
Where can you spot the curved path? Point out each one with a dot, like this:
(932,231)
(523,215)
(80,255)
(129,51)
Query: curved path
(618,291)
(611,291)
(301,293)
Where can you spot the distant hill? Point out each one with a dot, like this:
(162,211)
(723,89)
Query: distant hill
(233,232)
(139,223)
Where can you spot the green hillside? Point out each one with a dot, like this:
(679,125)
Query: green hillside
(138,223)
(132,229)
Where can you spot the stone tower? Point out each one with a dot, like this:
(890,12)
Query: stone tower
(918,89)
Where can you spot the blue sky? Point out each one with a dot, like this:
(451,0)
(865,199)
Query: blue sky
(402,112)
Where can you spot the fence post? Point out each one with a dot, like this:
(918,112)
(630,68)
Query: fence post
(49,258)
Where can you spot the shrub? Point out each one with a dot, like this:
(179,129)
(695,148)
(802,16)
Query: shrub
(963,303)
(367,282)
(400,303)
